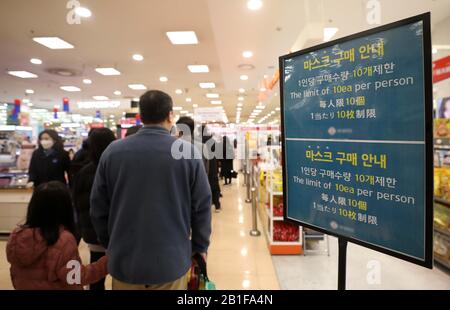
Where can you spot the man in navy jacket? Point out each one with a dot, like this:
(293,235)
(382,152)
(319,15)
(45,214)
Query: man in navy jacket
(151,209)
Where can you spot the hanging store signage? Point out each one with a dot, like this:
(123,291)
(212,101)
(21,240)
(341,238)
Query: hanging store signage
(441,69)
(357,139)
(98,104)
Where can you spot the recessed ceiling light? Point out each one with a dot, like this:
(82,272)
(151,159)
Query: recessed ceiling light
(188,99)
(239,109)
(241,90)
(177,108)
(208,85)
(100,98)
(163,79)
(53,43)
(260,107)
(36,61)
(108,71)
(26,100)
(137,87)
(254,5)
(112,116)
(138,57)
(87,81)
(277,109)
(247,54)
(136,99)
(212,96)
(195,105)
(435,50)
(263,89)
(182,37)
(244,77)
(241,98)
(329,33)
(23,74)
(117,93)
(29,91)
(70,88)
(30,104)
(184,112)
(216,102)
(83,12)
(178,92)
(198,68)
(240,104)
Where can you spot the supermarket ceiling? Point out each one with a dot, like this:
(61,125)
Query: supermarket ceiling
(225,28)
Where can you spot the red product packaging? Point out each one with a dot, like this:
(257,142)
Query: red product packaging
(286,232)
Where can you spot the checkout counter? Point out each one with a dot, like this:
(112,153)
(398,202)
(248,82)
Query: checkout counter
(14,199)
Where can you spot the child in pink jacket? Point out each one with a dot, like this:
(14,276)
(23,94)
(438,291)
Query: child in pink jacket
(43,253)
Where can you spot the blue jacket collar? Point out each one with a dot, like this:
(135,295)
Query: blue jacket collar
(153,129)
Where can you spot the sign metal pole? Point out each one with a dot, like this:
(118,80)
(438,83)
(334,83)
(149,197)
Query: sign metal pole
(342,264)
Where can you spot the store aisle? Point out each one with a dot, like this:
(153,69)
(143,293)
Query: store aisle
(235,261)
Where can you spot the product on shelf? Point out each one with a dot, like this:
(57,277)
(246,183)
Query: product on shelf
(278,209)
(442,217)
(442,183)
(442,128)
(442,248)
(285,232)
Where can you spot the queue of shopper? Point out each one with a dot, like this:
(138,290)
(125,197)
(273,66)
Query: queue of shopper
(142,213)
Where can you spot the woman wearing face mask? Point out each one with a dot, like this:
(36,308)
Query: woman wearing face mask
(50,161)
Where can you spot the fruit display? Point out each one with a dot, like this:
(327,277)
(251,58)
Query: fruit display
(285,232)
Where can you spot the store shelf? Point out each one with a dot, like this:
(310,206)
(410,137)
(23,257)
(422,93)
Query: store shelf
(442,201)
(442,262)
(443,143)
(442,232)
(274,193)
(286,243)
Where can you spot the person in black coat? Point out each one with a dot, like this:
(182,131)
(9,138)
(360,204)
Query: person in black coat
(50,161)
(83,181)
(227,161)
(212,168)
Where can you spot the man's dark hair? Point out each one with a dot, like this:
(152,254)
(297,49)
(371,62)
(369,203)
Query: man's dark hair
(189,122)
(155,106)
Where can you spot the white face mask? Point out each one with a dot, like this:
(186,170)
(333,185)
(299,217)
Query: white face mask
(47,144)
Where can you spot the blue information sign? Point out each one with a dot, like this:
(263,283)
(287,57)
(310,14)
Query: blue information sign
(357,138)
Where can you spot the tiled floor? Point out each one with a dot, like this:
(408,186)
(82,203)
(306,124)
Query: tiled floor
(235,260)
(366,270)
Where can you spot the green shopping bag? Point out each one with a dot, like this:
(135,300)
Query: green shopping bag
(199,275)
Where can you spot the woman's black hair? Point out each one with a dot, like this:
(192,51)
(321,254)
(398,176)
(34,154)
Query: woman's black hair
(58,146)
(50,209)
(98,142)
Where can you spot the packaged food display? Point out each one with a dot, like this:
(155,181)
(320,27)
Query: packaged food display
(285,232)
(442,248)
(442,128)
(442,217)
(442,183)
